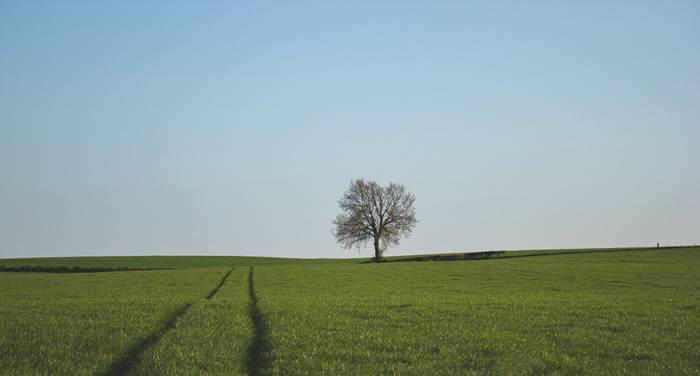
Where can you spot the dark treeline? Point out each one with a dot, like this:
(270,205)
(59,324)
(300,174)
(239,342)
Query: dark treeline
(450,257)
(65,269)
(486,255)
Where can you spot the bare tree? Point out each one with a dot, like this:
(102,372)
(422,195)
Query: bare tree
(374,213)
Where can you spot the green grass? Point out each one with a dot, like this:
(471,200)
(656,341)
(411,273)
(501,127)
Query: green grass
(602,313)
(618,312)
(80,324)
(212,338)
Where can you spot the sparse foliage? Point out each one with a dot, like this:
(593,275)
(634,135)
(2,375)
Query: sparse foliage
(382,215)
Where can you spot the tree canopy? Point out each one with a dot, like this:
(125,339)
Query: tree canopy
(372,213)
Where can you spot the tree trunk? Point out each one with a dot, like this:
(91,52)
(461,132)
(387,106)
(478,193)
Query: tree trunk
(377,253)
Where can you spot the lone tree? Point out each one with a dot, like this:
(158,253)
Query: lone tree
(374,213)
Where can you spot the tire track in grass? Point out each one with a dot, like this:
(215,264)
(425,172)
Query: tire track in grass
(127,362)
(257,360)
(223,280)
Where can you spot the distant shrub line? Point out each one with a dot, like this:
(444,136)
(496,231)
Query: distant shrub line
(67,269)
(486,255)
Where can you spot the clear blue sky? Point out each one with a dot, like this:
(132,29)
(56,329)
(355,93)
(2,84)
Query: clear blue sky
(234,127)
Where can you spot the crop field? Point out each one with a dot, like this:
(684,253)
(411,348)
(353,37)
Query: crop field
(633,312)
(83,323)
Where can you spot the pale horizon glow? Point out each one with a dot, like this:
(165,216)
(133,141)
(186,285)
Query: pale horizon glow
(139,128)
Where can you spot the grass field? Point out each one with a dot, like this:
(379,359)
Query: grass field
(571,312)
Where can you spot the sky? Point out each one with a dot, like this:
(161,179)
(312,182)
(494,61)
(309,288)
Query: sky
(133,128)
